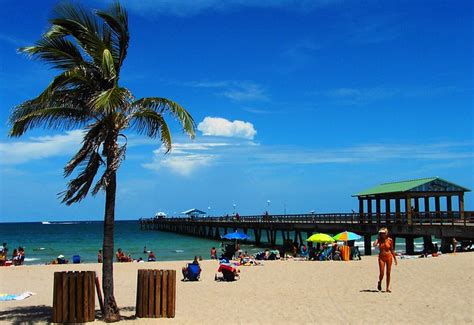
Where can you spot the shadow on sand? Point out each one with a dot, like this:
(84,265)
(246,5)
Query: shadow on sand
(26,315)
(371,290)
(42,313)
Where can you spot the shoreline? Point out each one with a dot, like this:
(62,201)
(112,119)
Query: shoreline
(279,292)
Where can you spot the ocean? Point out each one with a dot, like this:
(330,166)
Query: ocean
(44,242)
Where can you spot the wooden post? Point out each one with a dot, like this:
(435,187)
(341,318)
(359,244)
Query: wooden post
(369,209)
(408,210)
(99,294)
(449,208)
(300,238)
(410,245)
(397,209)
(377,209)
(73,297)
(256,233)
(387,209)
(427,243)
(367,245)
(361,210)
(438,209)
(427,209)
(417,209)
(156,293)
(461,207)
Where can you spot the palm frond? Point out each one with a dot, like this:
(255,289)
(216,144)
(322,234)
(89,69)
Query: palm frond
(60,53)
(73,20)
(103,181)
(63,118)
(117,19)
(76,76)
(92,141)
(108,66)
(163,105)
(79,187)
(151,123)
(111,99)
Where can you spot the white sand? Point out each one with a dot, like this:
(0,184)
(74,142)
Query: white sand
(434,290)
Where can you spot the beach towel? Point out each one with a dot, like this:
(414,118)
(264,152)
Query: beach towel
(7,297)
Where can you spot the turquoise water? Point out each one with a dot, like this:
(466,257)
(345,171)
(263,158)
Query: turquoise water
(44,242)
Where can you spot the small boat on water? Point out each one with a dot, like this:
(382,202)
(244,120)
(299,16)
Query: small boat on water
(45,222)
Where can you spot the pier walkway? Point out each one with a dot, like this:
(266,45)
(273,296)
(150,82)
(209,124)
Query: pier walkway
(265,229)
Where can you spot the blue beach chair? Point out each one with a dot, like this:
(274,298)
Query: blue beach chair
(193,273)
(76,259)
(326,254)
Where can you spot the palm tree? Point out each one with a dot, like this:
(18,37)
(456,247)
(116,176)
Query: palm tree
(88,48)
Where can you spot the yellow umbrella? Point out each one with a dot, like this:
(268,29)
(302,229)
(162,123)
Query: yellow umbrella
(321,238)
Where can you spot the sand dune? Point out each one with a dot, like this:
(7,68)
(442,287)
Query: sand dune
(434,290)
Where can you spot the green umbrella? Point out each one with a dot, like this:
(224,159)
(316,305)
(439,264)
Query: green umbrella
(320,238)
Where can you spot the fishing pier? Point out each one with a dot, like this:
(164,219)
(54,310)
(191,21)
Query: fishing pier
(403,207)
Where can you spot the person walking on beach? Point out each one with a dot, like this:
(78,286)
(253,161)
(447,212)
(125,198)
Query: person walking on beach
(386,256)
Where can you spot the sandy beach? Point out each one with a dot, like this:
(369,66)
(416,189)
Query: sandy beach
(432,290)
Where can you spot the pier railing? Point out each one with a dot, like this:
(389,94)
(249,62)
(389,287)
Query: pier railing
(416,218)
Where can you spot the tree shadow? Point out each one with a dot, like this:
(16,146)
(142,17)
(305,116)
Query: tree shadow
(42,313)
(26,314)
(98,313)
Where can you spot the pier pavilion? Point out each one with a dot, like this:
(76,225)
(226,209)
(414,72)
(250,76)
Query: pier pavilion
(405,196)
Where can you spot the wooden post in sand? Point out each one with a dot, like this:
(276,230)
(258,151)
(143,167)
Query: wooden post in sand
(367,245)
(73,297)
(410,245)
(156,293)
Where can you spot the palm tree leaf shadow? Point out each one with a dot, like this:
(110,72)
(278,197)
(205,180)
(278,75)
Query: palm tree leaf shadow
(26,314)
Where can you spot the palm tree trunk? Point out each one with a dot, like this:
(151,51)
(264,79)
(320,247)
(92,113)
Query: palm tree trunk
(111,312)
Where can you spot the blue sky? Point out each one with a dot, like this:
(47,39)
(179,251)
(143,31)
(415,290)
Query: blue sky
(302,103)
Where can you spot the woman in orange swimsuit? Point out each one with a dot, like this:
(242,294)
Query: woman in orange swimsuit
(386,256)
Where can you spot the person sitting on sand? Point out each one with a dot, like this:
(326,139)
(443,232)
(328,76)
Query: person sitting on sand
(99,256)
(3,254)
(213,253)
(14,256)
(184,270)
(267,254)
(386,256)
(121,257)
(151,257)
(304,250)
(18,256)
(60,260)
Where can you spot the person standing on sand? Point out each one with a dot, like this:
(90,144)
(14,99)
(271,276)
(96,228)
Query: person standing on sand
(386,256)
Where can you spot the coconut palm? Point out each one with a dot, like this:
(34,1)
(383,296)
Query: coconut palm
(88,49)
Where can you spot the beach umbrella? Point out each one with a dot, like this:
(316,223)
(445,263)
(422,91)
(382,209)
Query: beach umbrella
(346,236)
(320,238)
(235,235)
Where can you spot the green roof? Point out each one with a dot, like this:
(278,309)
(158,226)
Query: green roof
(411,185)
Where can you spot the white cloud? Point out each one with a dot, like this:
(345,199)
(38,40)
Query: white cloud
(185,158)
(235,90)
(18,152)
(217,126)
